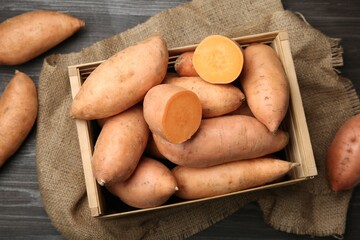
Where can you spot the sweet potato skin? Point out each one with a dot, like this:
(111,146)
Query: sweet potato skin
(223,139)
(216,99)
(122,81)
(265,85)
(151,185)
(26,36)
(195,183)
(18,112)
(184,65)
(343,156)
(120,145)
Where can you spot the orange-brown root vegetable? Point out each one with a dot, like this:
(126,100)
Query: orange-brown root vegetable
(265,85)
(122,80)
(18,112)
(195,183)
(343,156)
(26,36)
(172,112)
(151,185)
(184,65)
(218,59)
(223,139)
(216,99)
(120,145)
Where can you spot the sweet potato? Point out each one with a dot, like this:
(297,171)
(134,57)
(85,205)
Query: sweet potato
(26,36)
(120,145)
(151,185)
(265,85)
(343,156)
(18,112)
(218,59)
(172,112)
(216,99)
(223,139)
(122,80)
(184,65)
(195,183)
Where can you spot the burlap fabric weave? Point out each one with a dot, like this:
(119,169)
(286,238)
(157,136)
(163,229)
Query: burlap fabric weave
(310,207)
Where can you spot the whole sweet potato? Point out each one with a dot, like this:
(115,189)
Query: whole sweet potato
(122,81)
(225,178)
(151,185)
(30,34)
(120,145)
(18,111)
(343,156)
(265,85)
(223,139)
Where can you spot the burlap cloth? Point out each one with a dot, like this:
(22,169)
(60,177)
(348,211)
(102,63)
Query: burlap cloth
(306,208)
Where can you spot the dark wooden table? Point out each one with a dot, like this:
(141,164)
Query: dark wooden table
(22,215)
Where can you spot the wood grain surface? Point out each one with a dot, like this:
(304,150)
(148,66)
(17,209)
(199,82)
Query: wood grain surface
(22,214)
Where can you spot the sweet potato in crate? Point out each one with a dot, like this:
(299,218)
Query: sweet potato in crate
(299,149)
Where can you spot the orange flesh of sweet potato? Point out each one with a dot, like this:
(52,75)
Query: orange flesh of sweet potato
(18,112)
(26,36)
(122,81)
(230,177)
(184,65)
(151,185)
(265,85)
(172,112)
(223,139)
(120,145)
(343,156)
(218,59)
(216,99)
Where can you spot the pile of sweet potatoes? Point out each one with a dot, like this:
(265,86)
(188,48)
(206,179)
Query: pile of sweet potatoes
(192,135)
(22,38)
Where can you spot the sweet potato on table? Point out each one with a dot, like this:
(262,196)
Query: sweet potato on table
(151,185)
(218,59)
(216,99)
(30,34)
(184,65)
(172,112)
(195,183)
(122,81)
(265,85)
(120,145)
(18,112)
(343,156)
(223,139)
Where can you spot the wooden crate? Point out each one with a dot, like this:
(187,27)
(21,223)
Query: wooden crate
(299,150)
